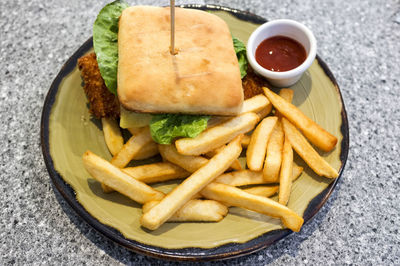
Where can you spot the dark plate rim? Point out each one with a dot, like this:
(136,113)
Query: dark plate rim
(226,251)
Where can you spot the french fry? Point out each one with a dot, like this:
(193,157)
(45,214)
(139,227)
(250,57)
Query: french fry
(241,178)
(188,162)
(264,191)
(286,94)
(237,197)
(135,130)
(148,151)
(248,177)
(106,189)
(297,170)
(307,152)
(215,137)
(217,120)
(132,147)
(156,172)
(197,196)
(273,159)
(113,177)
(255,104)
(235,165)
(192,185)
(246,141)
(258,143)
(138,147)
(195,211)
(113,139)
(313,132)
(285,180)
(112,135)
(264,112)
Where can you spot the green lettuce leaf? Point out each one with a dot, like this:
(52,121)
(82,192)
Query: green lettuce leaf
(105,42)
(165,128)
(240,50)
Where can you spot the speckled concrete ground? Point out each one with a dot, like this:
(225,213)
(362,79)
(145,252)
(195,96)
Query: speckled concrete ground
(359,40)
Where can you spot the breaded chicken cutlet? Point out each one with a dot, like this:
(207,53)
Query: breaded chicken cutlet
(103,103)
(252,84)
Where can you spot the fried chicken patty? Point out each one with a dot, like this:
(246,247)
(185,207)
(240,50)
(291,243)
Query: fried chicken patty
(102,103)
(252,84)
(105,104)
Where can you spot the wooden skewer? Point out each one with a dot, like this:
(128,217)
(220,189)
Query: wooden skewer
(172,8)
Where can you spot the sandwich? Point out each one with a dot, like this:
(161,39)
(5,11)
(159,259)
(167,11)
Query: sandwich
(134,77)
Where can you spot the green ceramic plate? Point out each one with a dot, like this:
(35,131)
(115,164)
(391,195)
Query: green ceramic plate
(68,130)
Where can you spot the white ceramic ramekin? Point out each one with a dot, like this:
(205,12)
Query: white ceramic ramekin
(288,28)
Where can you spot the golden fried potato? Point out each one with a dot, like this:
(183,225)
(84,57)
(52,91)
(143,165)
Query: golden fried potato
(237,197)
(258,143)
(235,165)
(264,191)
(256,104)
(307,152)
(115,178)
(184,192)
(215,137)
(273,159)
(248,177)
(156,172)
(285,180)
(112,135)
(187,162)
(286,94)
(147,151)
(195,210)
(132,147)
(314,133)
(246,141)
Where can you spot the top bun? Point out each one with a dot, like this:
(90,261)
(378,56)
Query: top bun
(202,78)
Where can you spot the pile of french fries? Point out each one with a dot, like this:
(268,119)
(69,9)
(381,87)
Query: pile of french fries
(212,176)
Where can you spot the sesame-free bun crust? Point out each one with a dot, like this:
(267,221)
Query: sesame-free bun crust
(202,78)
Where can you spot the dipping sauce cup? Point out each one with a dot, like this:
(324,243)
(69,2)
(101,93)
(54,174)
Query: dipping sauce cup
(287,28)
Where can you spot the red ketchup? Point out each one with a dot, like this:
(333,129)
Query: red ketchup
(280,53)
